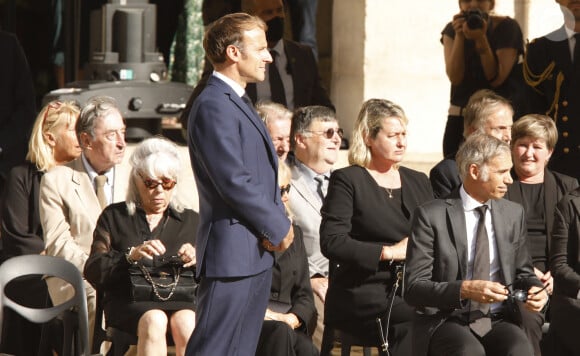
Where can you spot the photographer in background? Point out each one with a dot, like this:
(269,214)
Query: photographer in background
(481,52)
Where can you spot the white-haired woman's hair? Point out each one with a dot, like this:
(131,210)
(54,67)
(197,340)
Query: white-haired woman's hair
(155,157)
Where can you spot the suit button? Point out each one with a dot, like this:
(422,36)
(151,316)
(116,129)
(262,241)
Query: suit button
(275,295)
(566,150)
(564,118)
(565,133)
(565,103)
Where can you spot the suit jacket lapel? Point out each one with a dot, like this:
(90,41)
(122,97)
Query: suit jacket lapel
(501,227)
(551,198)
(302,188)
(456,217)
(121,183)
(84,188)
(252,115)
(562,51)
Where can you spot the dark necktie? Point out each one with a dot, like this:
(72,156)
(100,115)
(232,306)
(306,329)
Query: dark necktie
(322,185)
(248,101)
(100,182)
(276,85)
(481,326)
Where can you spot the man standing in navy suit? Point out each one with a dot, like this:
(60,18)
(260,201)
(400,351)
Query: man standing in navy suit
(242,219)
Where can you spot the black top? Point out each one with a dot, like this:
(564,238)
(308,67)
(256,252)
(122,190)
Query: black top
(107,268)
(533,202)
(358,218)
(504,34)
(542,200)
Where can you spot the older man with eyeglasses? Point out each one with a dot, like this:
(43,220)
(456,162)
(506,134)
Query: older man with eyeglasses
(72,196)
(315,140)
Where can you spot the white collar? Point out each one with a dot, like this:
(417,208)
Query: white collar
(110,174)
(232,83)
(469,204)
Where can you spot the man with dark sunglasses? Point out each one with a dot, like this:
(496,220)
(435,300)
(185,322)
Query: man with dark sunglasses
(315,140)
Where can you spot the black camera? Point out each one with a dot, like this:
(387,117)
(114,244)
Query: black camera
(519,295)
(474,18)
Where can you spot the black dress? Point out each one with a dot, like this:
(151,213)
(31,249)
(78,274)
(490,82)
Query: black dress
(358,218)
(107,268)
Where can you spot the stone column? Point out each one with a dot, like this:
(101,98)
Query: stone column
(522,13)
(348,59)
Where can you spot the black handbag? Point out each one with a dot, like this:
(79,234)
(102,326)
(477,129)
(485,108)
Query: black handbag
(163,282)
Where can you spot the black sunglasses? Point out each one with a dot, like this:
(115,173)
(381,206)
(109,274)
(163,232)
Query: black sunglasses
(166,183)
(328,133)
(285,189)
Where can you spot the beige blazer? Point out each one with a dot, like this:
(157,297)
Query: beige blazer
(69,210)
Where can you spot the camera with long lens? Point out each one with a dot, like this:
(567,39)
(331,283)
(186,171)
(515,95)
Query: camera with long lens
(474,18)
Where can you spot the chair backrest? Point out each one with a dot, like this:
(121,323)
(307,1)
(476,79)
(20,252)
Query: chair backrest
(49,267)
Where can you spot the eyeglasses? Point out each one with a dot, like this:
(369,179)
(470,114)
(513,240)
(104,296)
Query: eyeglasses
(328,133)
(54,105)
(166,183)
(285,189)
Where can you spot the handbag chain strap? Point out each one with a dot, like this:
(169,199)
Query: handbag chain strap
(156,285)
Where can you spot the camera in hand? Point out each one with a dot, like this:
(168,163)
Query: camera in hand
(519,295)
(474,18)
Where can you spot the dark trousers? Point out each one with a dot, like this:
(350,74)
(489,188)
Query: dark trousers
(229,315)
(400,326)
(277,338)
(532,325)
(21,336)
(564,317)
(454,338)
(453,136)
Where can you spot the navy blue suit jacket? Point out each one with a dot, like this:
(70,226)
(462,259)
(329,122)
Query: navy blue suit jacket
(235,168)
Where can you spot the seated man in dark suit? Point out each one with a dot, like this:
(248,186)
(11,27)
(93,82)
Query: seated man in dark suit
(293,81)
(486,112)
(468,262)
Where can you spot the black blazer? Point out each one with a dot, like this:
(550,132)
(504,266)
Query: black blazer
(357,220)
(556,185)
(304,70)
(565,267)
(444,177)
(21,229)
(437,260)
